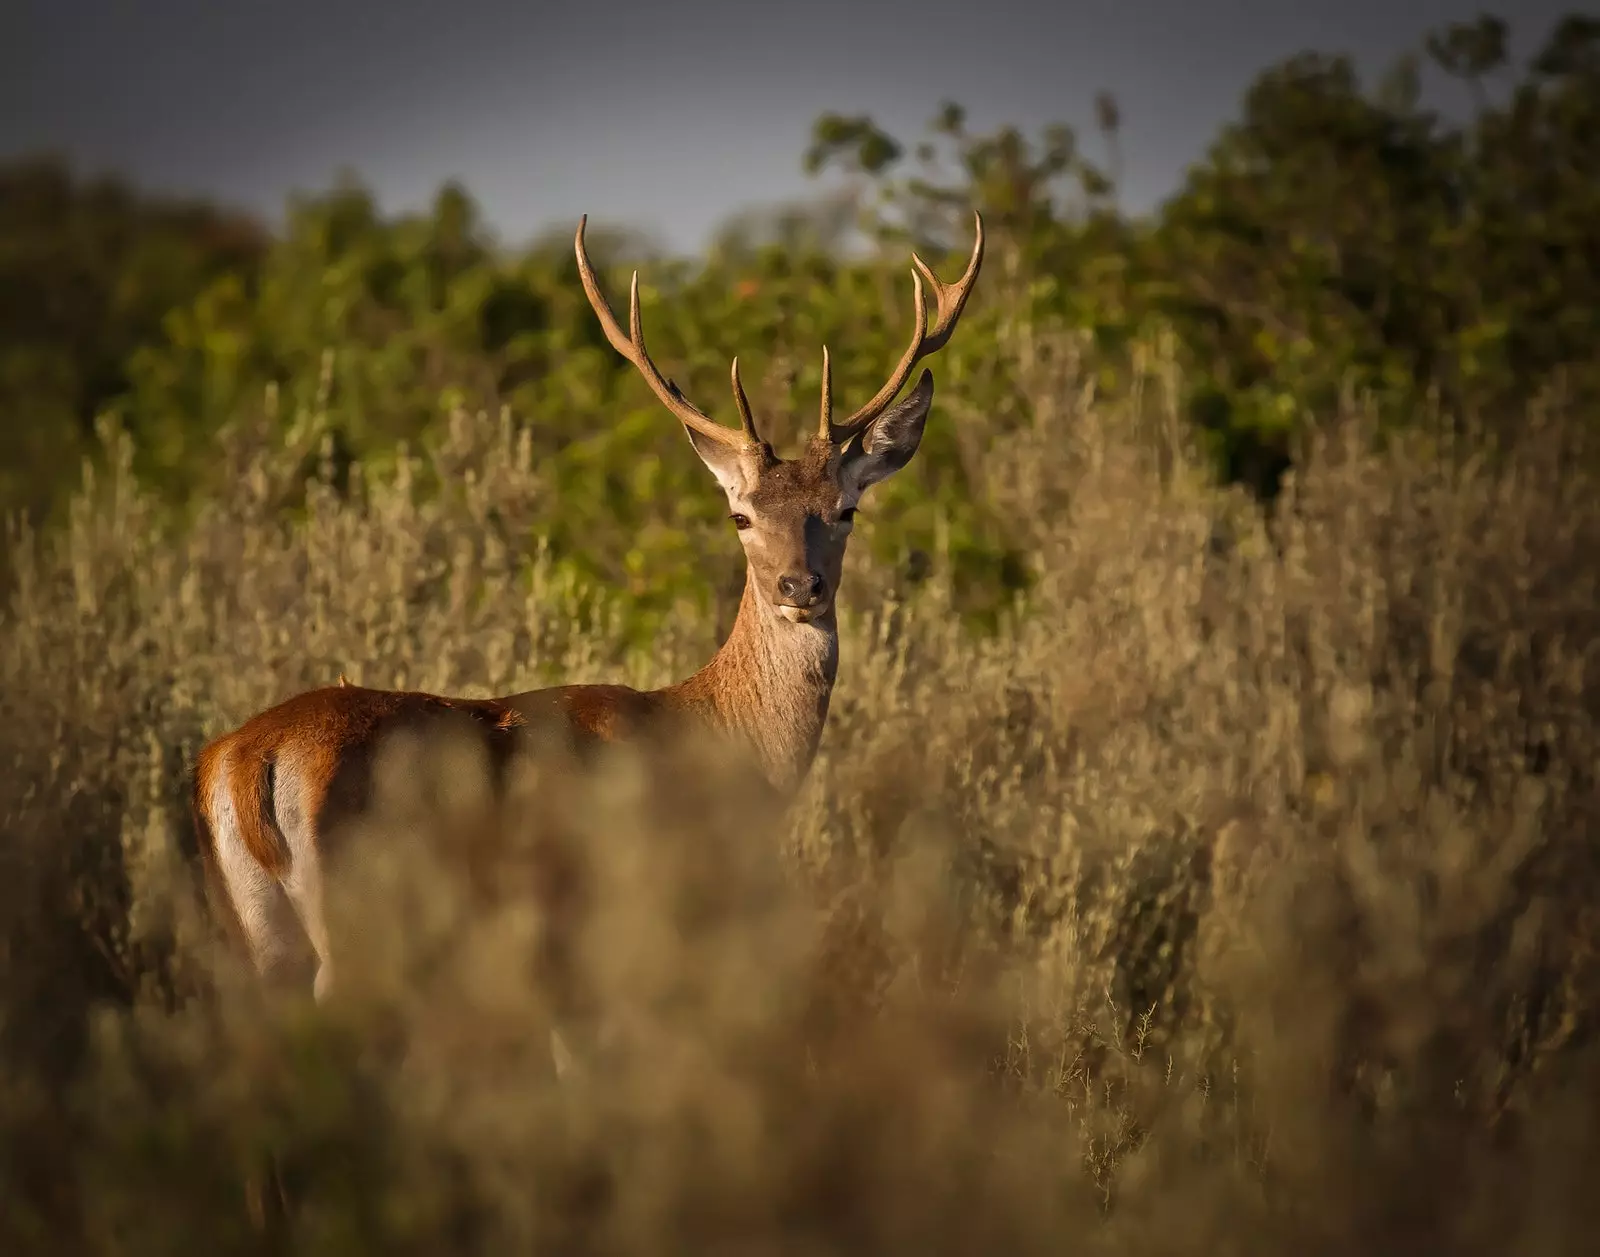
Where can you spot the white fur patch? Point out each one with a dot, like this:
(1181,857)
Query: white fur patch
(257,899)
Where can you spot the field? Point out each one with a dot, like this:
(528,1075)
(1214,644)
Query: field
(1233,891)
(1203,853)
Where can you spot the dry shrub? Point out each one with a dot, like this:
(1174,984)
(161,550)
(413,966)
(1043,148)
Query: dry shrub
(1238,893)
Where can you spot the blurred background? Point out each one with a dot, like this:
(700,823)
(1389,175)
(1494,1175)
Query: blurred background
(1203,851)
(202,199)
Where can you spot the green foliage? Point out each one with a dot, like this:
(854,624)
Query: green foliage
(88,272)
(374,332)
(1336,241)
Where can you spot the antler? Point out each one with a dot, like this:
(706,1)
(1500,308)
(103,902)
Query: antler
(631,346)
(950,298)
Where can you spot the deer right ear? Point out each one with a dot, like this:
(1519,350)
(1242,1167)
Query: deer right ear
(889,441)
(726,462)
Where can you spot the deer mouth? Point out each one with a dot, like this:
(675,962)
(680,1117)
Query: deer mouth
(803,615)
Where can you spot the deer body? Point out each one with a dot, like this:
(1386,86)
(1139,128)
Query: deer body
(266,795)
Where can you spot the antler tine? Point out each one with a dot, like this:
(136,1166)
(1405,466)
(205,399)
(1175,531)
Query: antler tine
(950,300)
(825,429)
(630,345)
(839,433)
(746,420)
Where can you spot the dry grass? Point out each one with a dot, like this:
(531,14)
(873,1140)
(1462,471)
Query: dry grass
(1238,896)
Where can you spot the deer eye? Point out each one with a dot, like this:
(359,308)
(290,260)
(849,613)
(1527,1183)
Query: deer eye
(741,522)
(846,515)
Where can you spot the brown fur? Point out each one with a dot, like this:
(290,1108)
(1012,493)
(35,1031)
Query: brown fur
(603,713)
(327,728)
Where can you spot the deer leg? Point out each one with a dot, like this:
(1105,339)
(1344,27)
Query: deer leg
(303,886)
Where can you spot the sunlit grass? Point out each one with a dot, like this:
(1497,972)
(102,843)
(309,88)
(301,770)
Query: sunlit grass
(1238,893)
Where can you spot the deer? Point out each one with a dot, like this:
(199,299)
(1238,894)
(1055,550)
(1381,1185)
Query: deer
(266,795)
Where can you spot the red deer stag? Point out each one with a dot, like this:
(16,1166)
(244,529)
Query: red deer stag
(264,794)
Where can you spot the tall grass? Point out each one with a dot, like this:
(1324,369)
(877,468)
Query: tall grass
(1238,894)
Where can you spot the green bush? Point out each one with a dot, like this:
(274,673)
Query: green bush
(1339,244)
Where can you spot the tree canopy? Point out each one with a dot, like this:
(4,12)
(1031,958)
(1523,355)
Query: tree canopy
(1337,238)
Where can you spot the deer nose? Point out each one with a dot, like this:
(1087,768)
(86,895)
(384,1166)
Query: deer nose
(803,590)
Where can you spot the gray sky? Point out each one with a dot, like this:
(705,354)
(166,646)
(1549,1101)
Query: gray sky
(669,114)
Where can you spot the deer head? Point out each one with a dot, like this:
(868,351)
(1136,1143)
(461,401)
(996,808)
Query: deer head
(794,515)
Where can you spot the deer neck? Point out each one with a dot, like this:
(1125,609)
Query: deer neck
(768,686)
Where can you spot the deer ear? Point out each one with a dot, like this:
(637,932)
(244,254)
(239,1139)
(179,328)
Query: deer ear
(889,441)
(725,462)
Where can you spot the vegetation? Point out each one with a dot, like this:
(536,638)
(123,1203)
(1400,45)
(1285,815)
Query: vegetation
(1181,872)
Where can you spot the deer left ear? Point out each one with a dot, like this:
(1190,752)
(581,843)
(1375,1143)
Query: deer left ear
(889,441)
